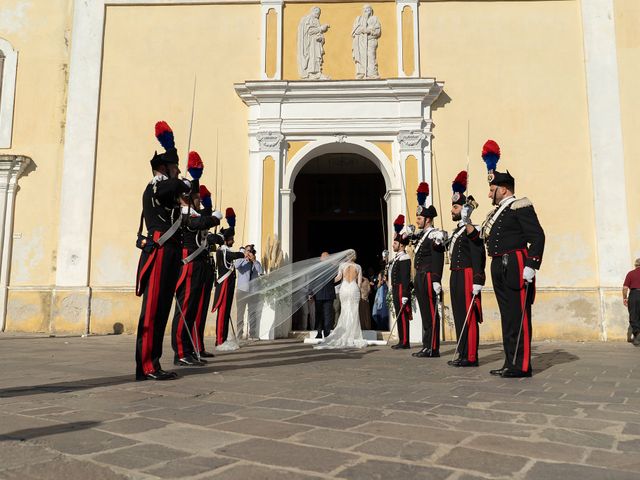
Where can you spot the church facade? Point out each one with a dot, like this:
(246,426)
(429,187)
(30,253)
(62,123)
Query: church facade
(315,121)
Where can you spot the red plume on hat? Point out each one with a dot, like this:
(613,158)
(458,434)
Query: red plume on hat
(459,184)
(195,165)
(204,191)
(398,223)
(491,155)
(164,134)
(230,215)
(423,193)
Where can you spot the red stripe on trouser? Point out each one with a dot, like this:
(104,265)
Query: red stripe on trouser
(151,309)
(222,310)
(433,311)
(185,310)
(196,324)
(472,322)
(143,270)
(402,316)
(525,318)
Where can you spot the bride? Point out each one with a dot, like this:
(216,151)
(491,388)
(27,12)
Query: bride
(347,332)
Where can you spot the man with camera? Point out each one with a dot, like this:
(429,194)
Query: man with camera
(159,263)
(248,269)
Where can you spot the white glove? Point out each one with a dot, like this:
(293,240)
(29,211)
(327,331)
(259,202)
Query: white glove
(476,289)
(411,229)
(217,214)
(439,236)
(465,215)
(437,288)
(404,300)
(528,273)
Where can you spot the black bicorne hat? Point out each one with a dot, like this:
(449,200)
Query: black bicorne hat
(427,212)
(502,179)
(227,233)
(402,239)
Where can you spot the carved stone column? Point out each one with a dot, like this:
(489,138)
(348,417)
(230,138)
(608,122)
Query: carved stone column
(11,168)
(264,144)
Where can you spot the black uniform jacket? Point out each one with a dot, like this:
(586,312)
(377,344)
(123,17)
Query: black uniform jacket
(160,206)
(400,273)
(224,261)
(429,257)
(195,228)
(517,228)
(467,251)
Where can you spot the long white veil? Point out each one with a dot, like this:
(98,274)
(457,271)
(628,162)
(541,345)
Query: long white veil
(284,291)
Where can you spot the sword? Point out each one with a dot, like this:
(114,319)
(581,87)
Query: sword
(441,313)
(184,320)
(394,323)
(524,311)
(466,319)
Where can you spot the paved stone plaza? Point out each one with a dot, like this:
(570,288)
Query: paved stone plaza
(69,409)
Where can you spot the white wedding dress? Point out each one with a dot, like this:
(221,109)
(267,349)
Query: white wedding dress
(347,332)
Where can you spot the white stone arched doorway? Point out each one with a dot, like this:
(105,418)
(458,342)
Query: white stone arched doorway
(368,159)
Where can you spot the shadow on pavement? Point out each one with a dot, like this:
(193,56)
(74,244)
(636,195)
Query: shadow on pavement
(31,433)
(301,357)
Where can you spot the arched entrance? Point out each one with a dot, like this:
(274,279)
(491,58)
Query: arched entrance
(339,204)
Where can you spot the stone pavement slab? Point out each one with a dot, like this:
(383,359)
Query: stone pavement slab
(281,410)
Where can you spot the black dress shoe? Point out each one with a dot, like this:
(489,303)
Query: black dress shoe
(188,361)
(205,354)
(158,375)
(433,353)
(319,335)
(401,346)
(396,346)
(629,334)
(424,353)
(466,363)
(454,363)
(515,373)
(498,371)
(419,354)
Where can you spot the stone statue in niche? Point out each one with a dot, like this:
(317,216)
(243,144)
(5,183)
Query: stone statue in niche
(366,32)
(311,46)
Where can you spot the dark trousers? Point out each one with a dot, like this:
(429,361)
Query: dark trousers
(510,293)
(468,335)
(634,311)
(324,315)
(428,304)
(157,276)
(201,319)
(192,293)
(403,314)
(222,302)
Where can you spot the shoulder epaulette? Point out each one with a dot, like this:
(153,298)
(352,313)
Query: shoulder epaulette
(404,256)
(521,203)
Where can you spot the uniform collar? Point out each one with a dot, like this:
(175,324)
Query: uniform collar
(505,199)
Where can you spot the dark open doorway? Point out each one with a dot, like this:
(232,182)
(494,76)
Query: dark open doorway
(339,204)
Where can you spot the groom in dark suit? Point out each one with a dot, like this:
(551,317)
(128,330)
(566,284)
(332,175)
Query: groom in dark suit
(324,305)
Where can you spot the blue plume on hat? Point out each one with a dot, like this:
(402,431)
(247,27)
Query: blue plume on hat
(230,215)
(459,184)
(491,154)
(164,134)
(398,223)
(423,193)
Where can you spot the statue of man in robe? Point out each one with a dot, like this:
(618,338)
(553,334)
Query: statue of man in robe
(366,32)
(311,46)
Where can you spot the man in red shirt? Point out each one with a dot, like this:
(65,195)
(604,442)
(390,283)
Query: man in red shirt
(631,299)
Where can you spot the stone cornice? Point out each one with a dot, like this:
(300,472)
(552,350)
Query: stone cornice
(425,90)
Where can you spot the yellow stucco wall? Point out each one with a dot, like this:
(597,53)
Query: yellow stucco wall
(338,63)
(147,81)
(515,70)
(627,18)
(39,31)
